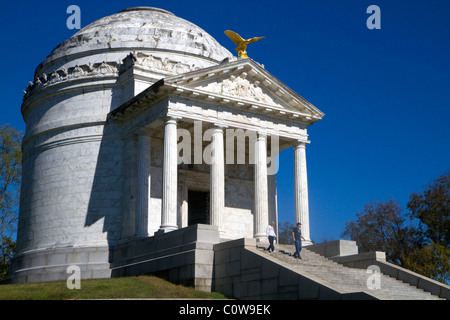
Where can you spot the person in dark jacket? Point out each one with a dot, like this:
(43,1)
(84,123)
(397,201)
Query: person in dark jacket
(297,238)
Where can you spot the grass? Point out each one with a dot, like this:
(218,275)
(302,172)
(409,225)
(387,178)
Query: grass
(139,287)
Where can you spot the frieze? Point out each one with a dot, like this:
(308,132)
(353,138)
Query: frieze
(153,62)
(243,119)
(107,69)
(74,73)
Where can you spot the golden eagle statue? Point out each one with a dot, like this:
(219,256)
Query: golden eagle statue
(241,43)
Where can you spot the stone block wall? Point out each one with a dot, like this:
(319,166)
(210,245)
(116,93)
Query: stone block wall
(364,260)
(242,272)
(183,256)
(51,264)
(336,248)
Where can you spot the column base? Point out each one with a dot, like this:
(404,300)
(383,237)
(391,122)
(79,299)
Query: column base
(306,243)
(261,239)
(165,229)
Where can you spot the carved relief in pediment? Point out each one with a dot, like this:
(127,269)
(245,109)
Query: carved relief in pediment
(240,86)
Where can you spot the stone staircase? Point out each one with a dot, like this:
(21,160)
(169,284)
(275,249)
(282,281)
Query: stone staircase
(345,278)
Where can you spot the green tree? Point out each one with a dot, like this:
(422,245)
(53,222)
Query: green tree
(431,260)
(416,239)
(10,177)
(285,233)
(7,249)
(380,226)
(432,209)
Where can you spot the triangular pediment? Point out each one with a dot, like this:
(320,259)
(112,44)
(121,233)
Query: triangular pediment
(247,83)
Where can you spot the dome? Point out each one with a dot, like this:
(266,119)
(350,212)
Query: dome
(145,29)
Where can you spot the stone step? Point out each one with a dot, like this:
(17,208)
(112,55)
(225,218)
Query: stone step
(345,278)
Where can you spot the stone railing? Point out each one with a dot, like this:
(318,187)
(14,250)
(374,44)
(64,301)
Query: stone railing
(346,253)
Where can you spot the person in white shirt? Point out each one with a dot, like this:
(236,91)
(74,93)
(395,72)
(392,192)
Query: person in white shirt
(271,235)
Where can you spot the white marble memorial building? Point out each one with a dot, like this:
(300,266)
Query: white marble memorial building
(140,124)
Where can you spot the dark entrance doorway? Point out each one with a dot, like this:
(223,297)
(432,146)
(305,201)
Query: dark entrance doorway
(198,207)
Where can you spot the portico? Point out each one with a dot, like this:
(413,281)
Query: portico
(218,131)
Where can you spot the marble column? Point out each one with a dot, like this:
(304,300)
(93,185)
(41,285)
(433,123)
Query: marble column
(170,173)
(301,190)
(261,217)
(217,179)
(143,182)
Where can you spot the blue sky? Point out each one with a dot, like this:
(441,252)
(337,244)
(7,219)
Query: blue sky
(385,93)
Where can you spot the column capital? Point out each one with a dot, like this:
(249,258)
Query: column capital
(218,127)
(171,119)
(301,144)
(214,125)
(261,135)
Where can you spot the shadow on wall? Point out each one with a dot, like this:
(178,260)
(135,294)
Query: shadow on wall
(106,198)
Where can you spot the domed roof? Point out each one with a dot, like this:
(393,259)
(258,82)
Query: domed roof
(142,29)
